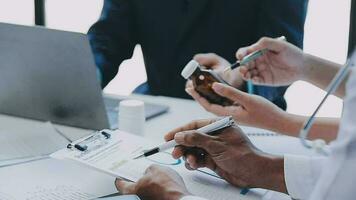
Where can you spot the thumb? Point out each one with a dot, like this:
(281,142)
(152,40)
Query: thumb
(272,44)
(196,139)
(231,93)
(125,187)
(208,60)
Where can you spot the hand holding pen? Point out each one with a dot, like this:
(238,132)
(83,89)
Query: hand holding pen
(230,154)
(250,57)
(208,129)
(281,65)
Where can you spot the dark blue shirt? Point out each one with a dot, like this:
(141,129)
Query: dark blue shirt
(171,32)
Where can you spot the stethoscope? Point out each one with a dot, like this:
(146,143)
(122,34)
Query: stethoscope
(319,144)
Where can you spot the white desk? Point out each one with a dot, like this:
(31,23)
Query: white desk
(181,112)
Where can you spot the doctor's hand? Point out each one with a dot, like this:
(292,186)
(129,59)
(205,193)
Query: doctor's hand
(159,183)
(249,110)
(218,64)
(230,154)
(282,64)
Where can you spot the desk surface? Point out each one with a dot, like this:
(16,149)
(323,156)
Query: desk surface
(181,112)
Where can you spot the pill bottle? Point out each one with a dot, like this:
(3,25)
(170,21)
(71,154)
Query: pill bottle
(203,80)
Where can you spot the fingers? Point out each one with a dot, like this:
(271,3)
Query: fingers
(154,168)
(271,44)
(235,110)
(207,59)
(178,152)
(125,187)
(253,74)
(242,52)
(192,139)
(213,108)
(245,72)
(191,126)
(195,139)
(189,84)
(192,163)
(231,93)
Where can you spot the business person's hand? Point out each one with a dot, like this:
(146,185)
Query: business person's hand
(218,64)
(282,64)
(230,154)
(250,110)
(159,183)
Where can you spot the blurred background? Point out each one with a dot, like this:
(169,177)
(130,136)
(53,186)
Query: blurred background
(326,36)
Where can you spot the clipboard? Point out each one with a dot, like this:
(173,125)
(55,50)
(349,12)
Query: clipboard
(112,152)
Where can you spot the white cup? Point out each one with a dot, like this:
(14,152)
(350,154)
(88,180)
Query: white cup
(132,116)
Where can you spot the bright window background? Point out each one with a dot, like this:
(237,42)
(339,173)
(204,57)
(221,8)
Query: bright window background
(17,11)
(326,35)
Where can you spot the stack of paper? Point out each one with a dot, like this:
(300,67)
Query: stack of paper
(52,179)
(25,143)
(274,143)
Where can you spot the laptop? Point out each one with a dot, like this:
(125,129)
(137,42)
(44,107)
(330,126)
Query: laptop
(50,75)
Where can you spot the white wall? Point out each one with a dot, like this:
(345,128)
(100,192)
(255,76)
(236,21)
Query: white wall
(326,34)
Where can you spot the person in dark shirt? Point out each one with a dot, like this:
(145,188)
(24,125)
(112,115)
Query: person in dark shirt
(172,32)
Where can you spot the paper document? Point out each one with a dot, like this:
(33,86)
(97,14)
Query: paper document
(12,162)
(114,156)
(274,143)
(35,141)
(52,179)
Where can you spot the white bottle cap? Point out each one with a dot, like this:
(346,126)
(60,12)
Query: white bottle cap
(189,69)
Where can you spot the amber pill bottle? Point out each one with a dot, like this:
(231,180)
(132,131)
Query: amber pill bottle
(203,80)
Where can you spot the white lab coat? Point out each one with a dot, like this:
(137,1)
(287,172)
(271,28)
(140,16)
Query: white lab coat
(338,176)
(331,177)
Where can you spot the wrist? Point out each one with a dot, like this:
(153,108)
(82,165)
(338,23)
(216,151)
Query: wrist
(271,173)
(289,124)
(279,122)
(308,67)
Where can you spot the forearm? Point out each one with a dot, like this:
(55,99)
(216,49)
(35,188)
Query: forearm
(320,72)
(324,128)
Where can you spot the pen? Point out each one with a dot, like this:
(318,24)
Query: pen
(252,56)
(215,126)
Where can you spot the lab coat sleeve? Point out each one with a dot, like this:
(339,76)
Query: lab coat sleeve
(192,198)
(301,174)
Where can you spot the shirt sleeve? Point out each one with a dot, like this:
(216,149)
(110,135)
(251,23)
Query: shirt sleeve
(301,174)
(192,198)
(277,18)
